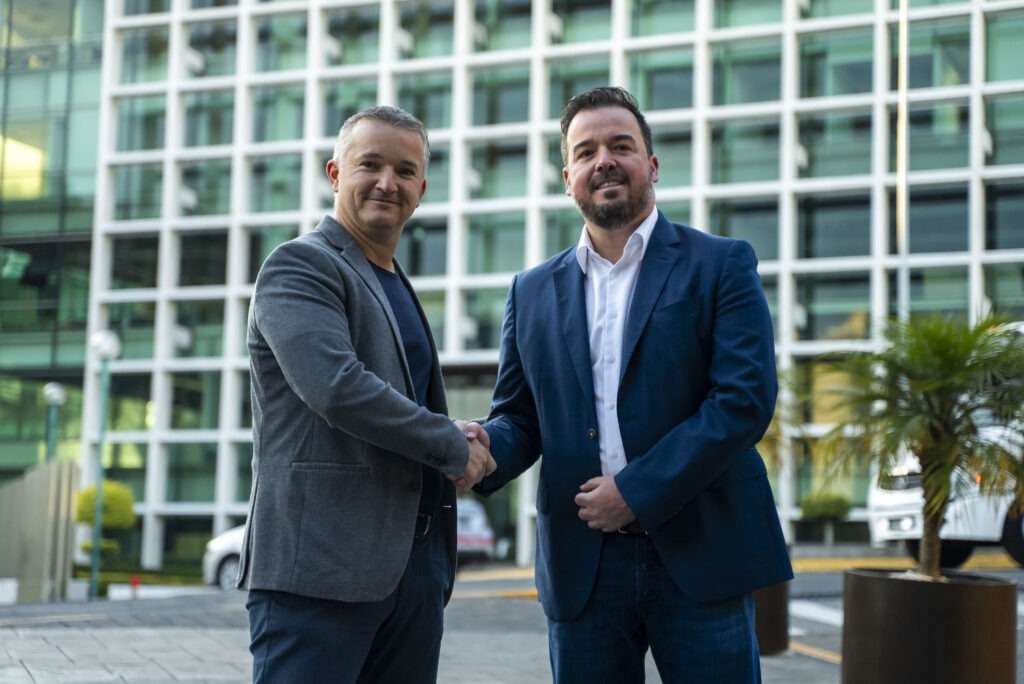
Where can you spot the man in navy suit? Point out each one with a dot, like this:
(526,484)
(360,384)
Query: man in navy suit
(641,364)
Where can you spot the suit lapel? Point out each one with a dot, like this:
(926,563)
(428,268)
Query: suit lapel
(572,315)
(663,251)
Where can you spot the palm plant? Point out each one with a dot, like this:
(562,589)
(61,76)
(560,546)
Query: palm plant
(930,392)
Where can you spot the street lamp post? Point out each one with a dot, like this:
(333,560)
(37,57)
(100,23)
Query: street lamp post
(106,345)
(55,396)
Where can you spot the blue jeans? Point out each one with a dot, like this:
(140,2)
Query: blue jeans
(636,606)
(304,640)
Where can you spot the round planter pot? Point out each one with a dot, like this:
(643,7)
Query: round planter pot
(898,631)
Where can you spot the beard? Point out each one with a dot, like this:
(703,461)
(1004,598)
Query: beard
(620,211)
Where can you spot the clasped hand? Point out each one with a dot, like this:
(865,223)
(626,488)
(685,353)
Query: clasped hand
(481,463)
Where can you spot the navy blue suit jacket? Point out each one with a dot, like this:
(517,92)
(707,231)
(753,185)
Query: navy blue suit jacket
(697,391)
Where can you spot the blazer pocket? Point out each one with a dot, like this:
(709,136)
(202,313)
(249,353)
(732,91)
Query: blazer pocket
(684,308)
(320,466)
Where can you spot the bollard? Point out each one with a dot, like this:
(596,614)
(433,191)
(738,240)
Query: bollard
(135,582)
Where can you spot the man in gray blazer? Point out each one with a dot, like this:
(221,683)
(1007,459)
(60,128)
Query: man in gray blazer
(349,548)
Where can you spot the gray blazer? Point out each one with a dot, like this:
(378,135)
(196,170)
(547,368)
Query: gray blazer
(338,439)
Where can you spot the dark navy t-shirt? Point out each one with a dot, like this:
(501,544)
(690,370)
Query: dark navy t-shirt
(421,363)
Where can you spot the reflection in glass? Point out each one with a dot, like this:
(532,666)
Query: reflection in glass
(203,259)
(145,6)
(836,63)
(835,144)
(281,42)
(500,167)
(1004,119)
(832,8)
(833,306)
(562,229)
(185,538)
(191,471)
(501,94)
(211,49)
(753,220)
(134,323)
(502,24)
(934,291)
(574,75)
(140,124)
(937,220)
(481,327)
(438,174)
(277,112)
(209,118)
(578,21)
(746,71)
(672,146)
(422,251)
(344,98)
(939,136)
(495,243)
(427,28)
(137,191)
(126,462)
(744,151)
(1002,43)
(940,54)
(205,187)
(554,180)
(199,328)
(833,226)
(129,405)
(1004,287)
(144,54)
(262,241)
(275,182)
(352,35)
(134,262)
(433,309)
(245,401)
(662,79)
(651,17)
(195,400)
(243,470)
(770,286)
(730,13)
(428,97)
(1004,207)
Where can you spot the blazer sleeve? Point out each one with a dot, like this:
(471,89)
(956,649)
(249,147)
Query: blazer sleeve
(303,311)
(716,439)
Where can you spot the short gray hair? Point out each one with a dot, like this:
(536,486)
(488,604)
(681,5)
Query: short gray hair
(392,116)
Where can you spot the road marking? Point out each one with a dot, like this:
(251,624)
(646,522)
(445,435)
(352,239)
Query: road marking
(815,652)
(807,610)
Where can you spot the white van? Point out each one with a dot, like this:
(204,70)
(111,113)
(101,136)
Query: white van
(895,500)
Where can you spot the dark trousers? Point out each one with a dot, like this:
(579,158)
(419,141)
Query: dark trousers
(398,640)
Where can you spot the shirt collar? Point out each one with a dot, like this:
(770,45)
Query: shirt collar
(641,236)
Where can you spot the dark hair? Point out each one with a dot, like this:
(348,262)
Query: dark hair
(603,96)
(392,116)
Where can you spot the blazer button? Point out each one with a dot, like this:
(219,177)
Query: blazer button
(591,433)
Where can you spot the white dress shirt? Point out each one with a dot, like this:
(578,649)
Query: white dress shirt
(609,291)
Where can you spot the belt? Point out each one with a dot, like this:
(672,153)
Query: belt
(423,523)
(633,528)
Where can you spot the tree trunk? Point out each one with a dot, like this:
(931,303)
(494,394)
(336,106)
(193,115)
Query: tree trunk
(928,561)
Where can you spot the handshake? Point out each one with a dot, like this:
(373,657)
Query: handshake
(481,463)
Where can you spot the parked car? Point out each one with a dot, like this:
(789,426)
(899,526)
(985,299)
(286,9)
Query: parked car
(476,542)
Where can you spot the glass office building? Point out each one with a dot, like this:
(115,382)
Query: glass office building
(168,170)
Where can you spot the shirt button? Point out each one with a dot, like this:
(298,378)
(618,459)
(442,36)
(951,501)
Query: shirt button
(591,433)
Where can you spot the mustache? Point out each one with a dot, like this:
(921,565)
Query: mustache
(616,175)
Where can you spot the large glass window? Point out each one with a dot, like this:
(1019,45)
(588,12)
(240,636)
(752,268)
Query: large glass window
(144,54)
(134,323)
(126,463)
(578,21)
(342,99)
(832,8)
(352,35)
(743,151)
(422,251)
(137,191)
(262,240)
(438,174)
(277,112)
(499,169)
(244,401)
(652,17)
(199,328)
(1004,287)
(481,326)
(195,400)
(940,53)
(428,97)
(941,290)
(203,259)
(753,220)
(427,28)
(243,471)
(569,77)
(209,118)
(502,24)
(836,63)
(191,471)
(433,309)
(746,12)
(939,136)
(1004,119)
(185,537)
(129,405)
(275,182)
(495,243)
(835,144)
(937,220)
(833,226)
(134,262)
(1002,42)
(205,187)
(1004,207)
(501,94)
(833,306)
(140,124)
(662,79)
(211,49)
(672,146)
(562,229)
(281,42)
(146,6)
(746,71)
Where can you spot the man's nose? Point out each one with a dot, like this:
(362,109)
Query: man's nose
(605,160)
(386,179)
